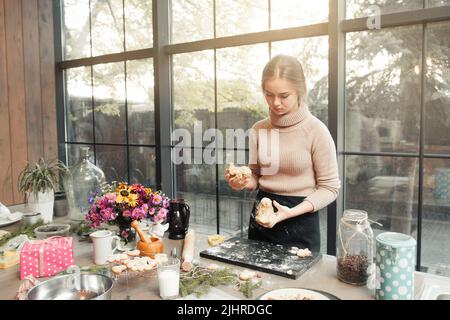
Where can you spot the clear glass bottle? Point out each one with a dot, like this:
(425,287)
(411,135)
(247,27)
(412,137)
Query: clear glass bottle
(84,179)
(354,247)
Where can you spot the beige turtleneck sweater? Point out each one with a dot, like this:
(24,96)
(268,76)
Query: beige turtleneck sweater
(306,153)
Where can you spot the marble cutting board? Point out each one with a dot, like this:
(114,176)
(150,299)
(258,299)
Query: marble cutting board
(261,256)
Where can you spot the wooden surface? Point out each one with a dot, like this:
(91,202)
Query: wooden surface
(6,193)
(27,90)
(321,276)
(47,60)
(32,79)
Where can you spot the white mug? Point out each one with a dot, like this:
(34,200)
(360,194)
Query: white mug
(103,245)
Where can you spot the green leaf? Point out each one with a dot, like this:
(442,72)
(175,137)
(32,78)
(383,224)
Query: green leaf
(248,286)
(41,176)
(199,280)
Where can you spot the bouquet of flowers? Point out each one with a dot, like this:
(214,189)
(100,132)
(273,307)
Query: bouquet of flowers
(121,204)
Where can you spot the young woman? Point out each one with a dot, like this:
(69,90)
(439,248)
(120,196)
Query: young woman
(306,178)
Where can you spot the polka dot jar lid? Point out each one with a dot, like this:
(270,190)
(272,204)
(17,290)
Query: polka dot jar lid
(396,240)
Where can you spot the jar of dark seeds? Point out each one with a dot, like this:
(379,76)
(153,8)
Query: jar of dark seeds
(354,247)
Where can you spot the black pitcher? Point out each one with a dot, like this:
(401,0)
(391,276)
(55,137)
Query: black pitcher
(179,213)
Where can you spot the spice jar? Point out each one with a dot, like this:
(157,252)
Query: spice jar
(354,247)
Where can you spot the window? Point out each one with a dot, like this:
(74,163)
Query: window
(391,125)
(295,13)
(396,128)
(436,187)
(363,8)
(238,17)
(383,82)
(109,106)
(220,89)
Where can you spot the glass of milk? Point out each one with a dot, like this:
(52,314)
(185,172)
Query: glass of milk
(169,278)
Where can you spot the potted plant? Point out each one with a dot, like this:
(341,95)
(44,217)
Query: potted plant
(38,182)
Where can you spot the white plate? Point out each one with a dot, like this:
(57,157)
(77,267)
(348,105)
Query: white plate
(7,222)
(293,294)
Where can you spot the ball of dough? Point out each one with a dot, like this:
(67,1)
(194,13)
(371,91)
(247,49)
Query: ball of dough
(303,253)
(265,213)
(212,267)
(241,172)
(247,275)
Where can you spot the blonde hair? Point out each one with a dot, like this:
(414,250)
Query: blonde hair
(289,68)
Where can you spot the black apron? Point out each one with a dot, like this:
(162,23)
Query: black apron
(302,231)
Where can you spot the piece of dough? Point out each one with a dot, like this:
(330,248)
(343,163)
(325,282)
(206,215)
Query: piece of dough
(118,257)
(133,253)
(212,267)
(264,212)
(241,172)
(303,253)
(215,240)
(119,269)
(247,275)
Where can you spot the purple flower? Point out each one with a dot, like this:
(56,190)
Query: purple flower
(138,214)
(124,234)
(111,197)
(162,213)
(105,209)
(91,199)
(157,199)
(107,214)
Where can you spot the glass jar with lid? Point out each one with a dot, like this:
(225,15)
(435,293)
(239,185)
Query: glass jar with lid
(354,247)
(84,179)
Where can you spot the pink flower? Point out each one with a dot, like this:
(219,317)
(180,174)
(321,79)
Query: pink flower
(138,214)
(162,213)
(111,197)
(157,199)
(148,204)
(126,213)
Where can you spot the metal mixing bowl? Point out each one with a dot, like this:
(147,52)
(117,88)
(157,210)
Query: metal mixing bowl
(91,287)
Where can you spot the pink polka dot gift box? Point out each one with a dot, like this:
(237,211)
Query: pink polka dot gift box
(45,258)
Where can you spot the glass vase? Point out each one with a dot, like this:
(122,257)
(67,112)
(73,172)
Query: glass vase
(126,233)
(84,179)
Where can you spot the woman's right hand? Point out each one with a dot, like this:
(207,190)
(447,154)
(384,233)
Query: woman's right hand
(237,183)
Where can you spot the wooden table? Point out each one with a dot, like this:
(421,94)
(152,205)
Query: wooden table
(322,276)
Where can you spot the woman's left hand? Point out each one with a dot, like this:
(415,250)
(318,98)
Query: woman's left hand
(283,213)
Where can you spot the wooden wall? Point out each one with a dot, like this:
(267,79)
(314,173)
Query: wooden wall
(27,90)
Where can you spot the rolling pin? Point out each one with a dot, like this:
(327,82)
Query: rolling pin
(188,251)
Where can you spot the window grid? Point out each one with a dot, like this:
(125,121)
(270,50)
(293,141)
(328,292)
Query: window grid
(336,104)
